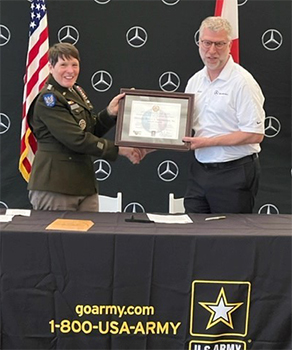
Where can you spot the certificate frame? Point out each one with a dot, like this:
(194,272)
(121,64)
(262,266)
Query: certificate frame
(154,119)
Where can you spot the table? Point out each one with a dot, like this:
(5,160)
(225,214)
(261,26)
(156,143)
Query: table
(209,285)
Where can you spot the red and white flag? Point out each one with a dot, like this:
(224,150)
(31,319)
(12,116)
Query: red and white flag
(229,9)
(37,71)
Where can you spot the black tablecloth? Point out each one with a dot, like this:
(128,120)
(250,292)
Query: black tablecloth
(222,284)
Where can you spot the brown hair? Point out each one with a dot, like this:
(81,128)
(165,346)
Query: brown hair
(62,50)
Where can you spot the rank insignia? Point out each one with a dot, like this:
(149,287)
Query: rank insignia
(100,145)
(50,100)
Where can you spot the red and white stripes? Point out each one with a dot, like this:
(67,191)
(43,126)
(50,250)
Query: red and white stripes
(37,71)
(229,9)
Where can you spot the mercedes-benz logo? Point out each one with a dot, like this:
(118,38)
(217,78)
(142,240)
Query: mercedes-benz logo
(68,34)
(268,209)
(3,205)
(101,81)
(102,169)
(134,207)
(4,35)
(272,126)
(102,2)
(167,170)
(197,37)
(242,2)
(169,82)
(170,2)
(4,123)
(136,37)
(272,39)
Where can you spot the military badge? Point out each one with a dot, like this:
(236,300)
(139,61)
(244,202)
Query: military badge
(74,106)
(81,92)
(82,124)
(50,100)
(84,96)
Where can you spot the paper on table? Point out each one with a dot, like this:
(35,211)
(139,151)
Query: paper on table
(10,213)
(6,218)
(22,212)
(170,219)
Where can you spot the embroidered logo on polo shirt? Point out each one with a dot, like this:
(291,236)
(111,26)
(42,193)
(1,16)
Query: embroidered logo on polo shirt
(216,92)
(50,100)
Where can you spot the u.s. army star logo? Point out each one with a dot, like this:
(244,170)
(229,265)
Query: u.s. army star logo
(219,308)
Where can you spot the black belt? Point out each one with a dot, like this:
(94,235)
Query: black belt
(231,163)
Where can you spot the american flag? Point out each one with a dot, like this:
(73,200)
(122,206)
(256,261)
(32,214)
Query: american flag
(37,71)
(228,9)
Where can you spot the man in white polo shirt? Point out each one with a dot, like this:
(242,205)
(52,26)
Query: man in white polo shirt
(228,128)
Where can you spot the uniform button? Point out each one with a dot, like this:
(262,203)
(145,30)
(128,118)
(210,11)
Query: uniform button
(70,158)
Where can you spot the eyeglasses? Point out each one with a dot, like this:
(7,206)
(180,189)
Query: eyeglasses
(218,44)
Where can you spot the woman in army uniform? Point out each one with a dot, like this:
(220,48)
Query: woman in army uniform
(68,133)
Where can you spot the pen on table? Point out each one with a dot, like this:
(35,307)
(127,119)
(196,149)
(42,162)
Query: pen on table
(133,219)
(215,218)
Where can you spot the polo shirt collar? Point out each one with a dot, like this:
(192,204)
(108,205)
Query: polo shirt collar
(225,73)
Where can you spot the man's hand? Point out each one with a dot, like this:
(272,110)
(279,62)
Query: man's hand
(197,142)
(135,155)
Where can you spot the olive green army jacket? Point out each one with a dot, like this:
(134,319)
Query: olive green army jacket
(68,134)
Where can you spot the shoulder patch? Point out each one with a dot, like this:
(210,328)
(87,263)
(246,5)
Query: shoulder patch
(50,100)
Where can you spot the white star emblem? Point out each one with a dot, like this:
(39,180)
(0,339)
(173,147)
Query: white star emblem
(221,310)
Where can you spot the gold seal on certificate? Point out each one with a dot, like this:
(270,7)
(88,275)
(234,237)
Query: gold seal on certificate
(154,119)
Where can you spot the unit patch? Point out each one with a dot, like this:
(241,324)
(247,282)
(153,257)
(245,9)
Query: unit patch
(50,100)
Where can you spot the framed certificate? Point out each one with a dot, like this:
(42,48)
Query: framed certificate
(154,119)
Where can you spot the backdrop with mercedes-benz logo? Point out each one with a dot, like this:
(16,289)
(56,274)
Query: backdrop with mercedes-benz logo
(150,45)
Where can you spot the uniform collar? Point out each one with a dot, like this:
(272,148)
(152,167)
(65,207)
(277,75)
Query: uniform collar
(74,96)
(57,86)
(63,90)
